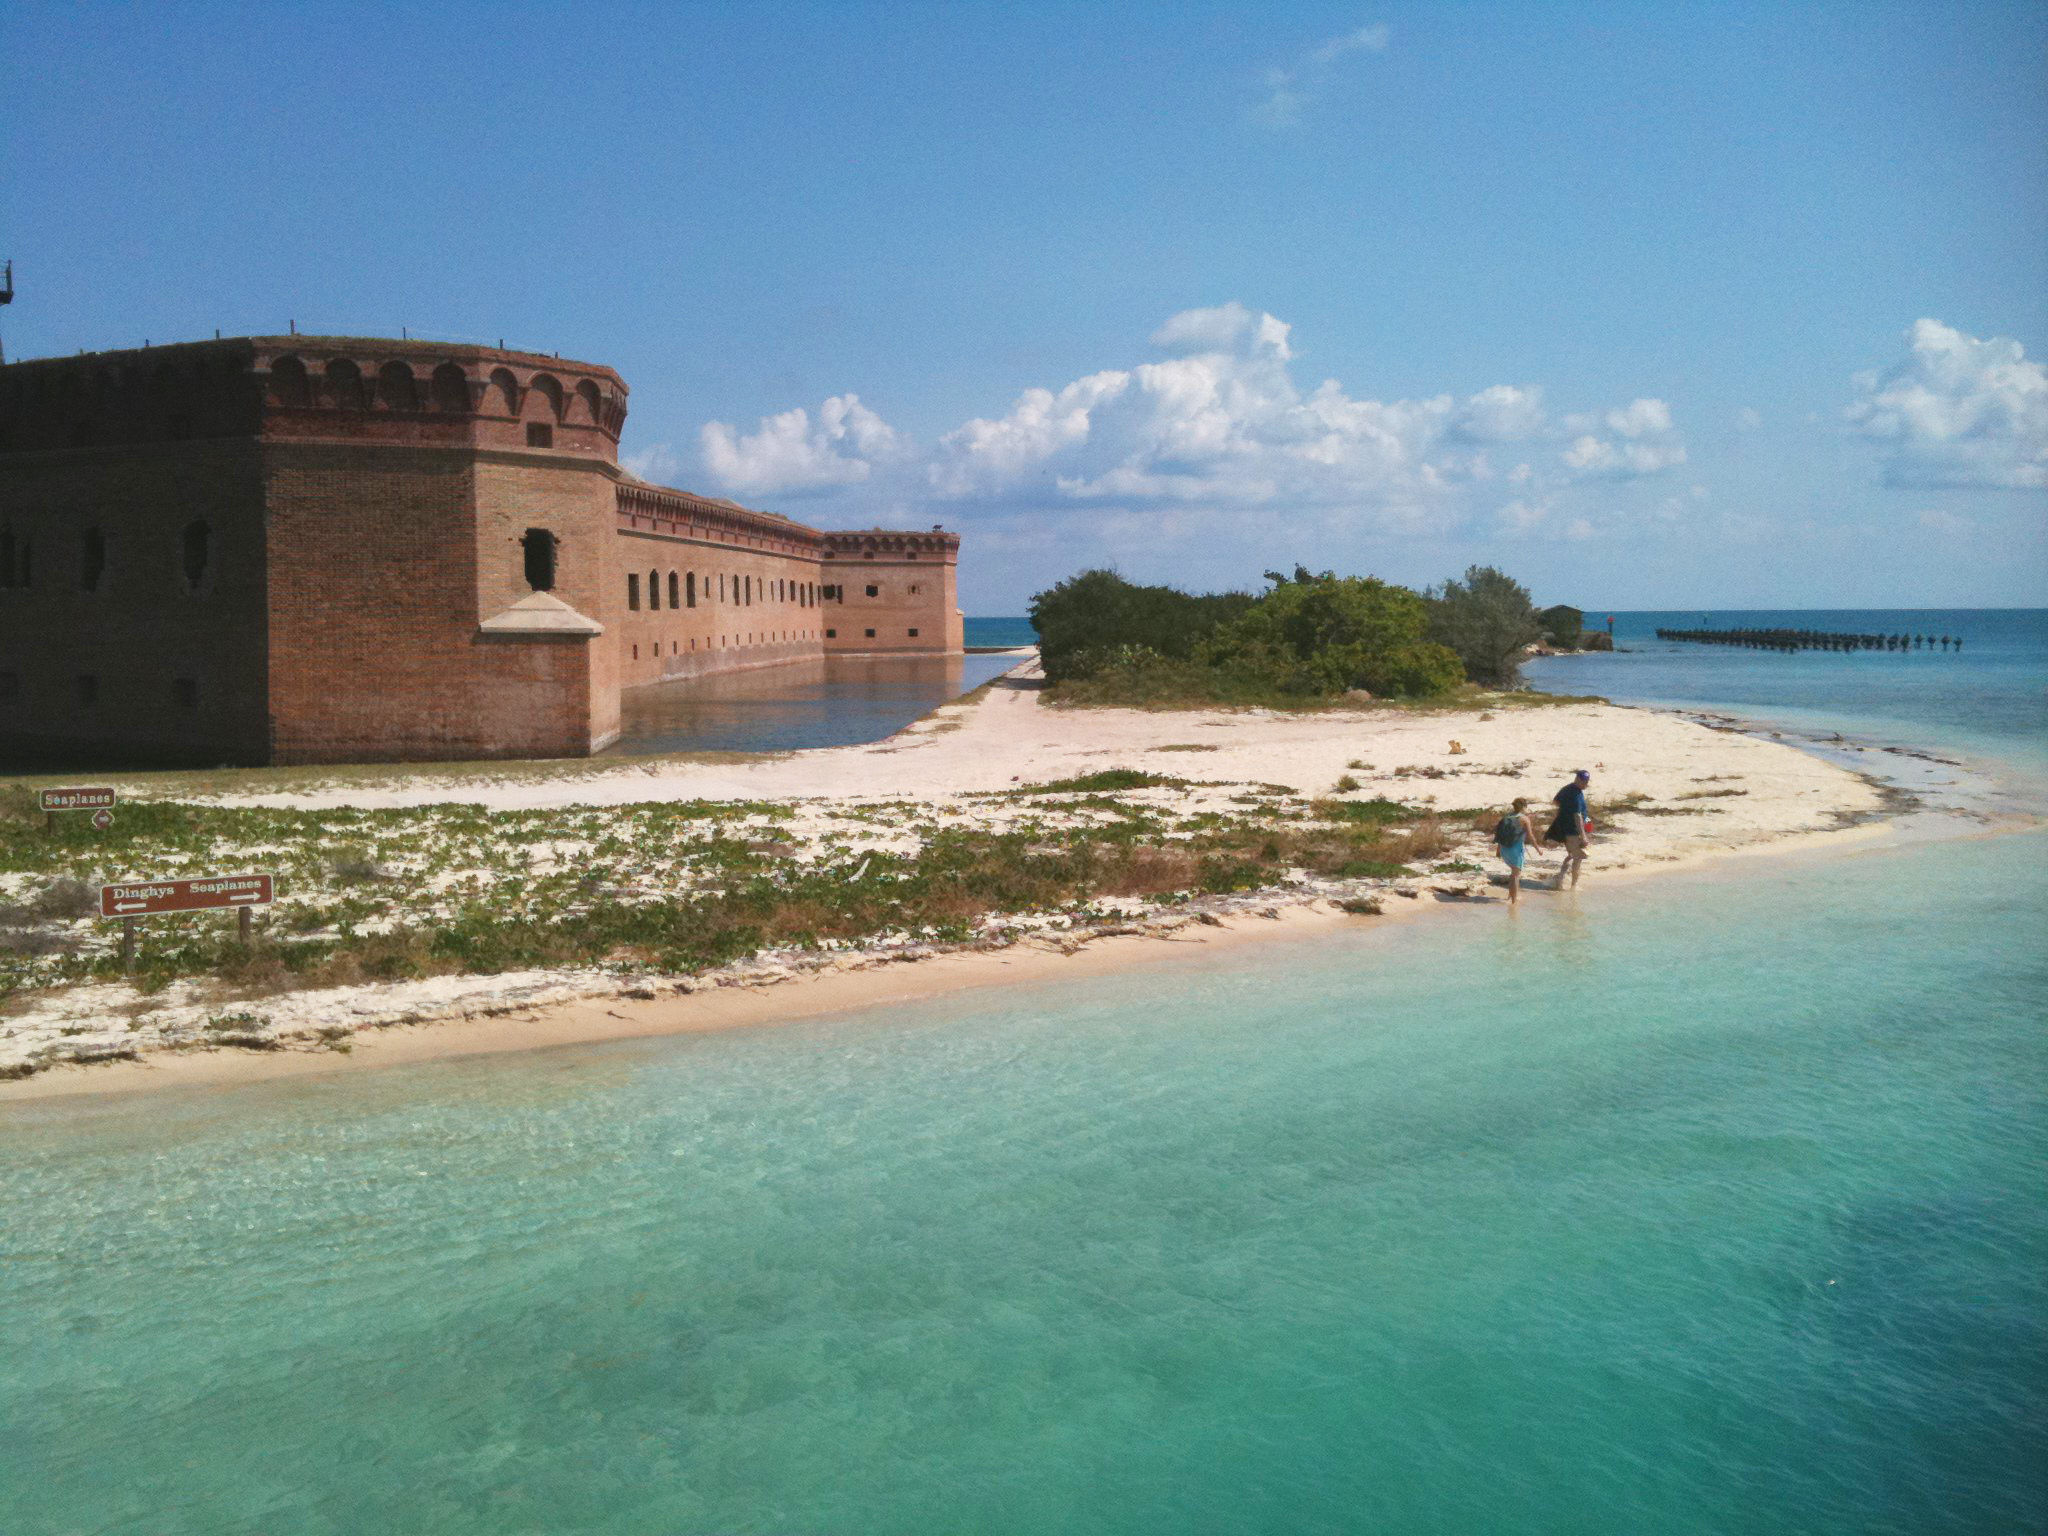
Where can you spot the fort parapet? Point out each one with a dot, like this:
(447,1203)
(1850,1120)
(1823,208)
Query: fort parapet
(296,549)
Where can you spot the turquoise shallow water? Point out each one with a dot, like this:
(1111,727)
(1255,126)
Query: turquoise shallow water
(1710,1204)
(1989,699)
(1697,1205)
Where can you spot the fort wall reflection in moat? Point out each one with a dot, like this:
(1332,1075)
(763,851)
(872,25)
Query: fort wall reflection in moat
(834,701)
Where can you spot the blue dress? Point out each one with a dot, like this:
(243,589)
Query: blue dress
(1511,838)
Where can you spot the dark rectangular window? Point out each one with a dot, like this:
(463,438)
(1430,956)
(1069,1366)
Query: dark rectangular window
(913,634)
(539,435)
(871,634)
(185,692)
(831,634)
(538,547)
(873,590)
(633,591)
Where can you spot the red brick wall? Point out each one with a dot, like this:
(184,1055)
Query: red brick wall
(392,547)
(178,669)
(915,582)
(572,499)
(752,608)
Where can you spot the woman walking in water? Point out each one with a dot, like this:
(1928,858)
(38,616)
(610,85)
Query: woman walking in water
(1572,826)
(1512,836)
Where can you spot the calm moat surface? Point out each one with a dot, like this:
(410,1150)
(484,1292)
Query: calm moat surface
(835,702)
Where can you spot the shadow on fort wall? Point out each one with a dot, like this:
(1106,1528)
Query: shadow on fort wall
(832,702)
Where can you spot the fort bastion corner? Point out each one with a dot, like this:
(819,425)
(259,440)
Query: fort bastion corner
(305,549)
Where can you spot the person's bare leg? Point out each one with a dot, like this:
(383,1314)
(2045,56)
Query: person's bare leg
(1514,886)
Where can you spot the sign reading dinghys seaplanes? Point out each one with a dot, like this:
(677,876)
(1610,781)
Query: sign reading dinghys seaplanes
(76,799)
(151,898)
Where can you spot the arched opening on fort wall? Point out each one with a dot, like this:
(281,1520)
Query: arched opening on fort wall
(450,388)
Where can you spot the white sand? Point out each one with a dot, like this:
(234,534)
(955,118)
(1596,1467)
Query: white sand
(1723,792)
(1005,738)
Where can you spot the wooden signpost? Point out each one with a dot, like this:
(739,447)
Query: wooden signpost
(99,801)
(156,898)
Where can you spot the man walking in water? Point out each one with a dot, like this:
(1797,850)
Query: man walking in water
(1572,826)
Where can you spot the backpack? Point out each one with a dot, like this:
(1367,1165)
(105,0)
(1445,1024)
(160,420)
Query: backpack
(1508,830)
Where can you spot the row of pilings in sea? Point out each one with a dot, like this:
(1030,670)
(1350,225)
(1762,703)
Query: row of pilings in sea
(1811,640)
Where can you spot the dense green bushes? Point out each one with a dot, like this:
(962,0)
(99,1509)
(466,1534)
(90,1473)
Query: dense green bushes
(1309,637)
(1488,620)
(1097,620)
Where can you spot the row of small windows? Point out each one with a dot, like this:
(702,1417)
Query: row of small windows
(85,689)
(741,591)
(17,557)
(675,647)
(745,590)
(540,552)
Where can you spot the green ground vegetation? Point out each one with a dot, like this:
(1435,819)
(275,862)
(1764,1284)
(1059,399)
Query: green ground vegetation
(372,895)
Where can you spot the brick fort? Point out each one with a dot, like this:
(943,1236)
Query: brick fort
(298,549)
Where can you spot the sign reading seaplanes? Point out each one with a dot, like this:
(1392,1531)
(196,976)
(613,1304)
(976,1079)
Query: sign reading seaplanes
(154,898)
(100,801)
(151,898)
(77,799)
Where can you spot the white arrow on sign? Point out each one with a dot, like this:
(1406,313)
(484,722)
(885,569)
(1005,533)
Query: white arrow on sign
(130,906)
(251,896)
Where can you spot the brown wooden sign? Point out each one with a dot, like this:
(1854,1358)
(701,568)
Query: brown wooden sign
(152,898)
(76,799)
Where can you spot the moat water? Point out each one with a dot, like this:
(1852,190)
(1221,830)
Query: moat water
(839,701)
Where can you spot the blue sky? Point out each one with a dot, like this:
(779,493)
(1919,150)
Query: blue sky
(1700,306)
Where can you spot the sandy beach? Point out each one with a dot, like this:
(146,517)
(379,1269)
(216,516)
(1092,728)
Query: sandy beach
(1696,792)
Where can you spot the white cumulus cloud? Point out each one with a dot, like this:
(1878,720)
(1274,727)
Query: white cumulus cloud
(1634,439)
(986,454)
(1213,439)
(1502,413)
(1958,411)
(1222,421)
(657,464)
(790,452)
